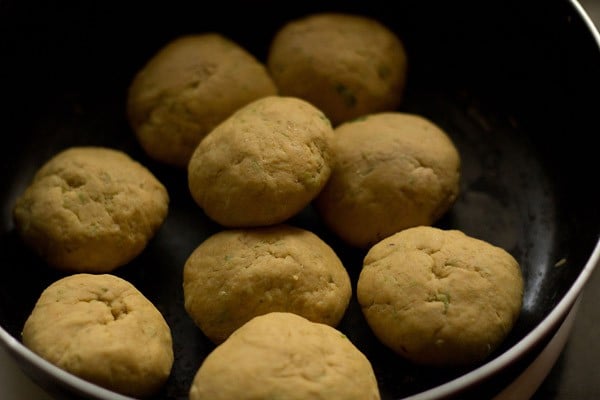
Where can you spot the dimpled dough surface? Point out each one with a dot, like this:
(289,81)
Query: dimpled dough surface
(236,275)
(393,171)
(439,297)
(263,164)
(90,209)
(102,329)
(346,65)
(186,89)
(285,356)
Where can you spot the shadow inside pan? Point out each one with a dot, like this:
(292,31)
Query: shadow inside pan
(508,81)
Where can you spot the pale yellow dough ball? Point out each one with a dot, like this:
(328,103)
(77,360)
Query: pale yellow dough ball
(90,209)
(346,65)
(285,356)
(393,171)
(102,329)
(235,275)
(263,164)
(439,297)
(187,88)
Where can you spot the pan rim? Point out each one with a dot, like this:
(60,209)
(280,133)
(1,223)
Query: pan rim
(17,349)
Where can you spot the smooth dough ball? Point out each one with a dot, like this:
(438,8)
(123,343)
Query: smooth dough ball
(346,65)
(90,209)
(262,165)
(285,356)
(393,171)
(236,275)
(439,297)
(187,88)
(102,329)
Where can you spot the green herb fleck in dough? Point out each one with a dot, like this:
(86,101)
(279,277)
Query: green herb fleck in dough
(444,298)
(361,118)
(324,118)
(309,179)
(94,227)
(284,133)
(256,166)
(383,71)
(105,177)
(347,95)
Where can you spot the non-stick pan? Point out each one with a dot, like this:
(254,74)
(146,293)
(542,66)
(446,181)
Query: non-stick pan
(512,82)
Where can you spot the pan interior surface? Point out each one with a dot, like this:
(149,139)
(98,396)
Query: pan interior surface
(508,81)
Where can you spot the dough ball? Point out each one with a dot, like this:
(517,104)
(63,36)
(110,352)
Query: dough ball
(90,209)
(346,65)
(285,356)
(393,171)
(263,164)
(102,329)
(439,297)
(236,275)
(187,88)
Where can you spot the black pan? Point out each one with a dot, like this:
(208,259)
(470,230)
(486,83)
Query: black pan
(513,83)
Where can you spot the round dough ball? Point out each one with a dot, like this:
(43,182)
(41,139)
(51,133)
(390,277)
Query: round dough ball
(285,356)
(393,171)
(263,164)
(102,329)
(346,65)
(90,209)
(187,88)
(236,275)
(439,297)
